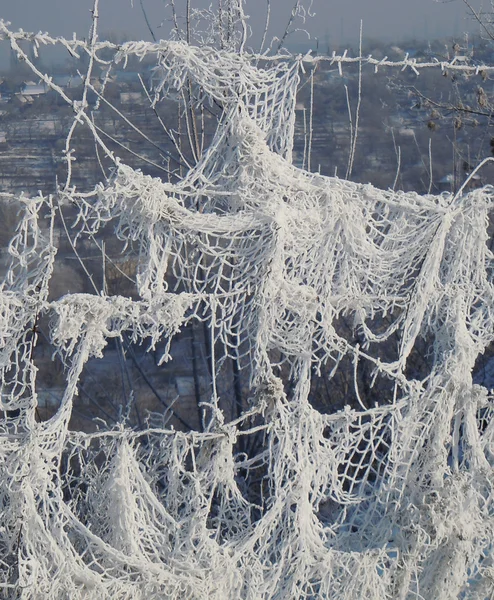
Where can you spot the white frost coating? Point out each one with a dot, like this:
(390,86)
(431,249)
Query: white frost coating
(392,501)
(95,319)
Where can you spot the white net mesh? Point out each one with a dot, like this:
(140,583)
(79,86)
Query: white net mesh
(392,500)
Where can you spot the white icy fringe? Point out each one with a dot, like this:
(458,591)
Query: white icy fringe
(393,501)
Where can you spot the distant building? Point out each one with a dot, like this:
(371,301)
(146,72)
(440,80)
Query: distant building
(33,89)
(23,100)
(29,91)
(130,97)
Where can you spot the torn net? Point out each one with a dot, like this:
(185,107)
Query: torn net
(392,500)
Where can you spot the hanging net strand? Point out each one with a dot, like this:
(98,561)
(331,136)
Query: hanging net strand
(389,497)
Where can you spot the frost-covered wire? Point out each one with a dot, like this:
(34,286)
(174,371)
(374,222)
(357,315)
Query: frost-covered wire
(387,501)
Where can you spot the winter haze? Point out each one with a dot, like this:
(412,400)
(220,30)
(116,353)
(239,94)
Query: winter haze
(334,21)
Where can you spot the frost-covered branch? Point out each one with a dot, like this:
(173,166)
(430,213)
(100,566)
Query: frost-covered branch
(278,500)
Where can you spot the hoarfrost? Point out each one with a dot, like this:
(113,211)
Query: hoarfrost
(390,501)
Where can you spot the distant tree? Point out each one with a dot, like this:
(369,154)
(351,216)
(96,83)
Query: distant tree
(459,99)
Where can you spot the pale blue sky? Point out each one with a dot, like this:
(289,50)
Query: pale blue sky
(334,19)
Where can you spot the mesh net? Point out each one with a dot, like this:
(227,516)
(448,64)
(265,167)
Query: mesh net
(390,500)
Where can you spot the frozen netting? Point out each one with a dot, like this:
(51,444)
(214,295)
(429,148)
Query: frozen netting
(393,500)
